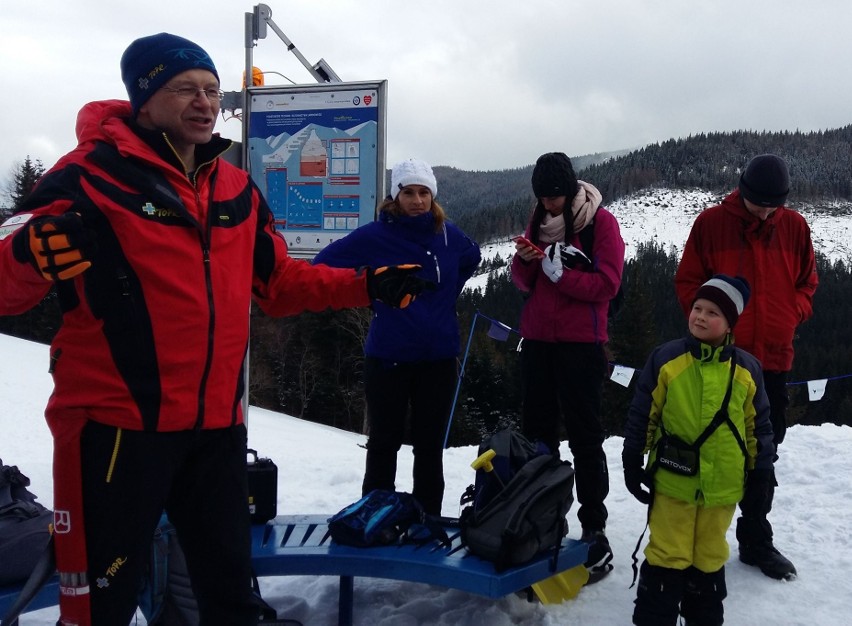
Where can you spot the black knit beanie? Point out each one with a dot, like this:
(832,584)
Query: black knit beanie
(553,175)
(765,181)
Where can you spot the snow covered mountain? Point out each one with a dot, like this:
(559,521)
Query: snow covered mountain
(666,215)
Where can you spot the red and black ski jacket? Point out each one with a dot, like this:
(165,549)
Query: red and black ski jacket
(155,333)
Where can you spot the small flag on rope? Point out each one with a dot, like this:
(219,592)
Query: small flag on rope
(622,375)
(498,331)
(816,389)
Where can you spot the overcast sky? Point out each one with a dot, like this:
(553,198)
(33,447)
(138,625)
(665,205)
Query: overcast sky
(475,84)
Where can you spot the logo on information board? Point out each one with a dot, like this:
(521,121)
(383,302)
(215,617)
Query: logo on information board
(367,100)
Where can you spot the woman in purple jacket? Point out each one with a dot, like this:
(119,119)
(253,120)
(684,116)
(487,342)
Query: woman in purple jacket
(564,330)
(411,353)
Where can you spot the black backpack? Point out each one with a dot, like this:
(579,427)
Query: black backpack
(524,515)
(25,526)
(587,242)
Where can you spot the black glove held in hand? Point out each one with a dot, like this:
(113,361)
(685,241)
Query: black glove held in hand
(635,478)
(395,285)
(59,247)
(573,257)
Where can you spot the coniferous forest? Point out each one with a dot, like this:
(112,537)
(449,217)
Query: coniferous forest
(310,366)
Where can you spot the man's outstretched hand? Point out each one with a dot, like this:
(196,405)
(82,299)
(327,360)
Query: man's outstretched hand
(396,285)
(59,247)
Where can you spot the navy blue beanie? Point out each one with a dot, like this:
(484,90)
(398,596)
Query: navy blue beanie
(149,62)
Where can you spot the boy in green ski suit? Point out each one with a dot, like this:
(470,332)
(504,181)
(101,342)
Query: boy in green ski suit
(701,412)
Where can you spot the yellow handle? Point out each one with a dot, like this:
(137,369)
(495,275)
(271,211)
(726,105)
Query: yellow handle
(484,461)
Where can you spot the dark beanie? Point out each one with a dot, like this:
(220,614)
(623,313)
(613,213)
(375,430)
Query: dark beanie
(553,175)
(729,294)
(149,62)
(765,181)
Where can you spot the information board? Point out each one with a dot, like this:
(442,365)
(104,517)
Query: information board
(317,152)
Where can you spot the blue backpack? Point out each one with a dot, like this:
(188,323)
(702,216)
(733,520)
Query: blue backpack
(383,517)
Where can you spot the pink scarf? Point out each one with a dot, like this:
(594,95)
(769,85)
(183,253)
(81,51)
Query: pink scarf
(583,208)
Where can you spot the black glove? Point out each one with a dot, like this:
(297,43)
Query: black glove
(779,428)
(635,477)
(573,257)
(59,247)
(396,285)
(758,495)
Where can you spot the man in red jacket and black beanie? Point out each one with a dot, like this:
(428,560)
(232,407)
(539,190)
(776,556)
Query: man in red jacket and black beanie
(752,234)
(156,246)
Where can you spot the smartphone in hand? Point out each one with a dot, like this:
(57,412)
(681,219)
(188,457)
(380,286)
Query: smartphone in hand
(529,244)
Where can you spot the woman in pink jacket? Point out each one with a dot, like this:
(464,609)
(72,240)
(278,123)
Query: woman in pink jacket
(564,330)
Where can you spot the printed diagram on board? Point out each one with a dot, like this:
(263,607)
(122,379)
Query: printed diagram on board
(317,158)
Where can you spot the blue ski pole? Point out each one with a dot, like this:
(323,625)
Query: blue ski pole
(461,376)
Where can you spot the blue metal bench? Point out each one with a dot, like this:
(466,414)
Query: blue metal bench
(301,545)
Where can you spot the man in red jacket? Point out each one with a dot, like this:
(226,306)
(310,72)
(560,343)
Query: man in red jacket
(752,234)
(156,246)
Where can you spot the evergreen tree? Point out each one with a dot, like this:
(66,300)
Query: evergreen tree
(42,321)
(24,180)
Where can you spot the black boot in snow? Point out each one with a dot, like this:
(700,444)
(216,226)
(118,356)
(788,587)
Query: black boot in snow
(770,561)
(599,560)
(754,532)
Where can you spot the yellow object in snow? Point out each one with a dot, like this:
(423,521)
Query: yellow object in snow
(563,586)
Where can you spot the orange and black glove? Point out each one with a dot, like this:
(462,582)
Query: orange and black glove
(59,247)
(396,285)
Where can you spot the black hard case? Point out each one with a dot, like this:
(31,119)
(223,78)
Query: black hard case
(262,488)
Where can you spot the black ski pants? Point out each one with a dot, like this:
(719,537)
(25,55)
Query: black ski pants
(562,385)
(199,478)
(423,390)
(753,527)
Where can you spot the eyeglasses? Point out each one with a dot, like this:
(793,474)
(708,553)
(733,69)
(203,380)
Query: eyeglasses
(189,93)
